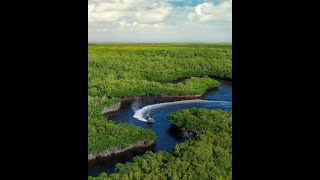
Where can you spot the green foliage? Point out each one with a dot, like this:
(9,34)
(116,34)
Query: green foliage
(124,70)
(207,156)
(201,120)
(139,69)
(104,134)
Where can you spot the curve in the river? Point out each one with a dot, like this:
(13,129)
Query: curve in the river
(159,109)
(155,109)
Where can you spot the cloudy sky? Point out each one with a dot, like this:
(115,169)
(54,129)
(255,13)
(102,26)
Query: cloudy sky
(160,20)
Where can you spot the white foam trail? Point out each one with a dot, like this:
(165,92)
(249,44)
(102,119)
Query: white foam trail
(139,114)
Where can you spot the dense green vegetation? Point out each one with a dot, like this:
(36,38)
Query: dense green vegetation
(130,70)
(207,156)
(123,70)
(201,120)
(104,134)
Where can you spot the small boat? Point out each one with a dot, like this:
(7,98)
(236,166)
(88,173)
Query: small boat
(149,118)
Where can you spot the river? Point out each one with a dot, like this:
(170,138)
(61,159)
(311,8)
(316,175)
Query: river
(167,137)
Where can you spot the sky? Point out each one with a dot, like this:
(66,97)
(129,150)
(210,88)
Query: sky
(160,21)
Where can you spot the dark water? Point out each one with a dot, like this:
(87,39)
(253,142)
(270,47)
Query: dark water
(218,98)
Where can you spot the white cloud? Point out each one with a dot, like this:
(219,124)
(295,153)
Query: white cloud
(153,16)
(206,12)
(157,20)
(141,11)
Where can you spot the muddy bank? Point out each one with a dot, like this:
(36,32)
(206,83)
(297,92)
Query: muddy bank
(108,163)
(162,97)
(220,78)
(113,108)
(118,150)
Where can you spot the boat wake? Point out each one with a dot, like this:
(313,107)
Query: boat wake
(145,112)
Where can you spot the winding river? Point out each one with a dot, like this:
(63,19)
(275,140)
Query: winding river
(167,137)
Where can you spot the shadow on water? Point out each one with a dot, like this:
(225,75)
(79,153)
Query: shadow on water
(100,165)
(167,134)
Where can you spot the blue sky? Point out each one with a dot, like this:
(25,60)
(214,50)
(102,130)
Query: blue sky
(182,3)
(160,20)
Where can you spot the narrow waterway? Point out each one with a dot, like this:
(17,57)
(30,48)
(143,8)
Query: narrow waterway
(159,109)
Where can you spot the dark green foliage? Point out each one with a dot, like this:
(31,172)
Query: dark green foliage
(207,156)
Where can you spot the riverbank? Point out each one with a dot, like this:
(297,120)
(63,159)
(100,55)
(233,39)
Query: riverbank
(118,150)
(163,97)
(127,101)
(113,108)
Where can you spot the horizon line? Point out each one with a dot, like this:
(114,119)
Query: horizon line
(159,42)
